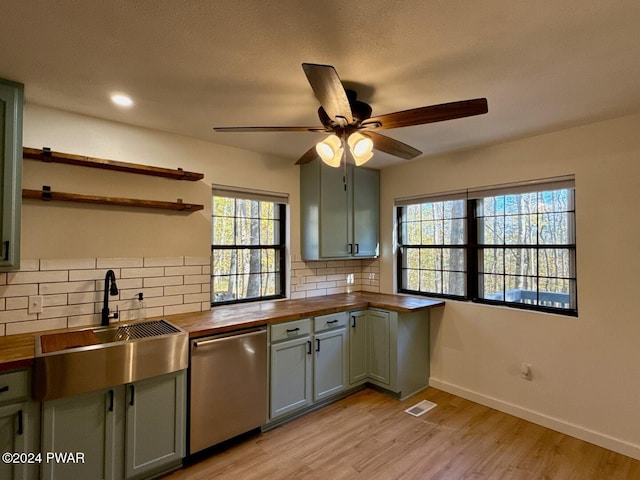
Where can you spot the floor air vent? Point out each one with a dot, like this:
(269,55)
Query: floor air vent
(419,408)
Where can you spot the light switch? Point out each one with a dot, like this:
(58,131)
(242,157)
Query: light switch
(35,304)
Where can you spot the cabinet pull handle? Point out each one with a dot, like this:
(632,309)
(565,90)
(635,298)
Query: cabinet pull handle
(4,389)
(308,347)
(349,248)
(132,391)
(20,423)
(111,400)
(291,330)
(317,344)
(330,322)
(6,250)
(353,321)
(357,248)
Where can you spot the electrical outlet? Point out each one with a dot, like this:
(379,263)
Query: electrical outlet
(35,304)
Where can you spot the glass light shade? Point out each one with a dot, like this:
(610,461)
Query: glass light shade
(330,150)
(361,148)
(362,159)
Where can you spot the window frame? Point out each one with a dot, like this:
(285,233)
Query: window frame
(474,249)
(279,248)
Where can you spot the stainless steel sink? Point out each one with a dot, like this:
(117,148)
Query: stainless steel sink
(91,359)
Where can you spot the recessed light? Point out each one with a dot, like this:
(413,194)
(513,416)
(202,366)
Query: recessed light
(121,100)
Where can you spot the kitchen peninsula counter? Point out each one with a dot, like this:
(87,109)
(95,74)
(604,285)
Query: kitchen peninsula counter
(18,351)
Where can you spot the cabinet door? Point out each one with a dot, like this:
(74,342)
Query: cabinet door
(88,424)
(358,356)
(335,219)
(11,101)
(13,439)
(155,424)
(290,376)
(366,212)
(330,363)
(379,346)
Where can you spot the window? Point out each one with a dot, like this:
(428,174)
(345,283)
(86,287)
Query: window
(248,246)
(512,245)
(434,242)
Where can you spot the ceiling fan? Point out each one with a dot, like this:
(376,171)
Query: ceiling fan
(351,125)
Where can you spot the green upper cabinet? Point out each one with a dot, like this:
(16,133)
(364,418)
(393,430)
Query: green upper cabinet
(11,103)
(339,211)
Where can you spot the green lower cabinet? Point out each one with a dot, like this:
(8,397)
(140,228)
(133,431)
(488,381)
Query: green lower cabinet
(19,435)
(358,351)
(330,363)
(155,425)
(130,431)
(290,383)
(379,345)
(88,425)
(389,349)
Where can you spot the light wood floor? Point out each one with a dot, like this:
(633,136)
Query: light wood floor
(369,436)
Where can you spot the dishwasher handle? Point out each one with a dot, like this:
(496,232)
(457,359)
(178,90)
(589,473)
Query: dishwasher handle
(223,337)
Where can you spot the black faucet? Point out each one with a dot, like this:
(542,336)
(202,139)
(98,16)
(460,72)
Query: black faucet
(109,279)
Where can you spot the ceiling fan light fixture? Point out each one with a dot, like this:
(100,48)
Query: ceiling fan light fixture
(361,148)
(330,150)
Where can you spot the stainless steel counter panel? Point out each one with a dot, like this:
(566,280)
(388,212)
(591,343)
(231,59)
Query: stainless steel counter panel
(228,387)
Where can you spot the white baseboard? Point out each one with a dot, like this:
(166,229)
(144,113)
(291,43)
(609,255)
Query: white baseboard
(562,426)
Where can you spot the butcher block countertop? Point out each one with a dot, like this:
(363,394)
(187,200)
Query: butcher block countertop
(18,351)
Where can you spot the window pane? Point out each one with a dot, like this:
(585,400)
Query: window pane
(412,213)
(430,281)
(412,258)
(454,259)
(454,283)
(492,260)
(520,261)
(555,263)
(491,231)
(556,228)
(492,286)
(520,229)
(223,231)
(454,232)
(413,232)
(412,279)
(431,259)
(431,232)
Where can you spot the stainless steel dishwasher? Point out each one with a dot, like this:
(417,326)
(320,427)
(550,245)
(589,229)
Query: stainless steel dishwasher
(228,386)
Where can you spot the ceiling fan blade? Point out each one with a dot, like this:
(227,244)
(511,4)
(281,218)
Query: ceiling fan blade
(392,146)
(430,114)
(309,156)
(329,91)
(269,129)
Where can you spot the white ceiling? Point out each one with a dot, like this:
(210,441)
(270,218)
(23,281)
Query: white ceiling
(191,65)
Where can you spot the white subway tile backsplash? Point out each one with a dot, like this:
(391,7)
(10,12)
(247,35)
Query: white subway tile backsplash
(72,264)
(197,260)
(8,291)
(189,270)
(66,287)
(183,308)
(15,303)
(163,281)
(112,263)
(35,326)
(15,278)
(163,261)
(142,272)
(73,290)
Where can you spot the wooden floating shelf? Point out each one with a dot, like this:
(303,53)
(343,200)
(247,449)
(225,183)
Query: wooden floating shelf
(46,155)
(48,195)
